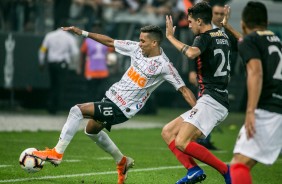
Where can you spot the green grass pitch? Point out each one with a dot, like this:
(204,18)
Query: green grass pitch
(85,162)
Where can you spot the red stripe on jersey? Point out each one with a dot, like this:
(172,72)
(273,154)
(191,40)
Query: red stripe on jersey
(200,77)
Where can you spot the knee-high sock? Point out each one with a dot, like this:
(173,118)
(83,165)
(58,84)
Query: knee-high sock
(70,128)
(186,160)
(203,154)
(105,143)
(240,174)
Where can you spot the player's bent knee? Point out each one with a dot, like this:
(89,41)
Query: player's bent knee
(165,134)
(75,111)
(180,144)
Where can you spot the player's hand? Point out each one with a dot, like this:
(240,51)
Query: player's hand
(72,29)
(227,12)
(169,27)
(250,124)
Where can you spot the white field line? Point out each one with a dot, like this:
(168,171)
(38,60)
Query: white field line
(92,174)
(2,166)
(18,122)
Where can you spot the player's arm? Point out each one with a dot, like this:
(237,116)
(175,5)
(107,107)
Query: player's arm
(254,86)
(188,95)
(190,52)
(103,39)
(227,26)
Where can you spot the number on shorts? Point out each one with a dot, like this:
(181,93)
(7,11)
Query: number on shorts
(107,111)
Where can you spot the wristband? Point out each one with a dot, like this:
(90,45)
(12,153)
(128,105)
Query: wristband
(84,33)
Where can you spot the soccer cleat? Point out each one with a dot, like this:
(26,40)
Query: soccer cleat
(227,176)
(122,168)
(49,155)
(194,175)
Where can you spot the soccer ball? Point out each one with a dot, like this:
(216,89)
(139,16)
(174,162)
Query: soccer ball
(29,163)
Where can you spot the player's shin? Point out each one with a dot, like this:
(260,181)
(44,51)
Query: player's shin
(105,143)
(70,128)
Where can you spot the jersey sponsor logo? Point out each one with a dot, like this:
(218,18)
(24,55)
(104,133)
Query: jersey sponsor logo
(174,74)
(139,106)
(121,42)
(217,34)
(145,97)
(136,77)
(118,97)
(192,113)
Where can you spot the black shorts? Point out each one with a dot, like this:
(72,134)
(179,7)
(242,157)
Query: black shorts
(108,113)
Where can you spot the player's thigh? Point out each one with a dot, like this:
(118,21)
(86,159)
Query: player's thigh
(87,109)
(171,129)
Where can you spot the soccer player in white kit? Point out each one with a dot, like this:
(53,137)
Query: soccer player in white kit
(259,140)
(149,68)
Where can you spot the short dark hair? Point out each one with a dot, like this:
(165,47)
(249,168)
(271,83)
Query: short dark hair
(201,10)
(255,15)
(154,31)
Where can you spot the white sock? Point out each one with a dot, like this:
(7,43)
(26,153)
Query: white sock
(104,141)
(70,128)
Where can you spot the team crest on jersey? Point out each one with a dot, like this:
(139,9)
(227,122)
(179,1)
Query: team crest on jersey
(153,67)
(192,113)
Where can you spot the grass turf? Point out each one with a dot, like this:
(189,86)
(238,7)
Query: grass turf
(84,162)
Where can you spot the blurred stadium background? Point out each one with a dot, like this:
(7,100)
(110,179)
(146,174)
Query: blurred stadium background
(25,22)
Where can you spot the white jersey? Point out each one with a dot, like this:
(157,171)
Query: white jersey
(142,77)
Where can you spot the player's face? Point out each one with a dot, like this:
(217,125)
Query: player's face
(146,44)
(217,15)
(193,25)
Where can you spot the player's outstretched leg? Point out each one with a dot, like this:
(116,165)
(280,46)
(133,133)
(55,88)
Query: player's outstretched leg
(122,168)
(227,176)
(49,155)
(194,175)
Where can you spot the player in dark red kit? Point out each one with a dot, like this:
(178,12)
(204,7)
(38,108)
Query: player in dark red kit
(211,47)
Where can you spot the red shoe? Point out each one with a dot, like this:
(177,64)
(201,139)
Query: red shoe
(124,165)
(49,155)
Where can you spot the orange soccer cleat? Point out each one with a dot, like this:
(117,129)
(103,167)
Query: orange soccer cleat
(49,155)
(124,165)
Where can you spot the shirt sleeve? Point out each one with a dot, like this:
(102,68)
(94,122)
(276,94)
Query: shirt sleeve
(43,50)
(201,42)
(125,47)
(248,50)
(172,76)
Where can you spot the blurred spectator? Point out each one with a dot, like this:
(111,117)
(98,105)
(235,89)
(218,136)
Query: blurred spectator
(59,48)
(94,62)
(84,12)
(60,11)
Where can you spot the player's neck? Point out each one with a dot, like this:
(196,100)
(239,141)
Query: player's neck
(205,28)
(255,29)
(155,52)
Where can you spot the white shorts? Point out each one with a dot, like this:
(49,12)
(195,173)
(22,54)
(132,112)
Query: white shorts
(266,144)
(206,114)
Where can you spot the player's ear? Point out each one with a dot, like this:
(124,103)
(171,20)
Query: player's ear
(199,21)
